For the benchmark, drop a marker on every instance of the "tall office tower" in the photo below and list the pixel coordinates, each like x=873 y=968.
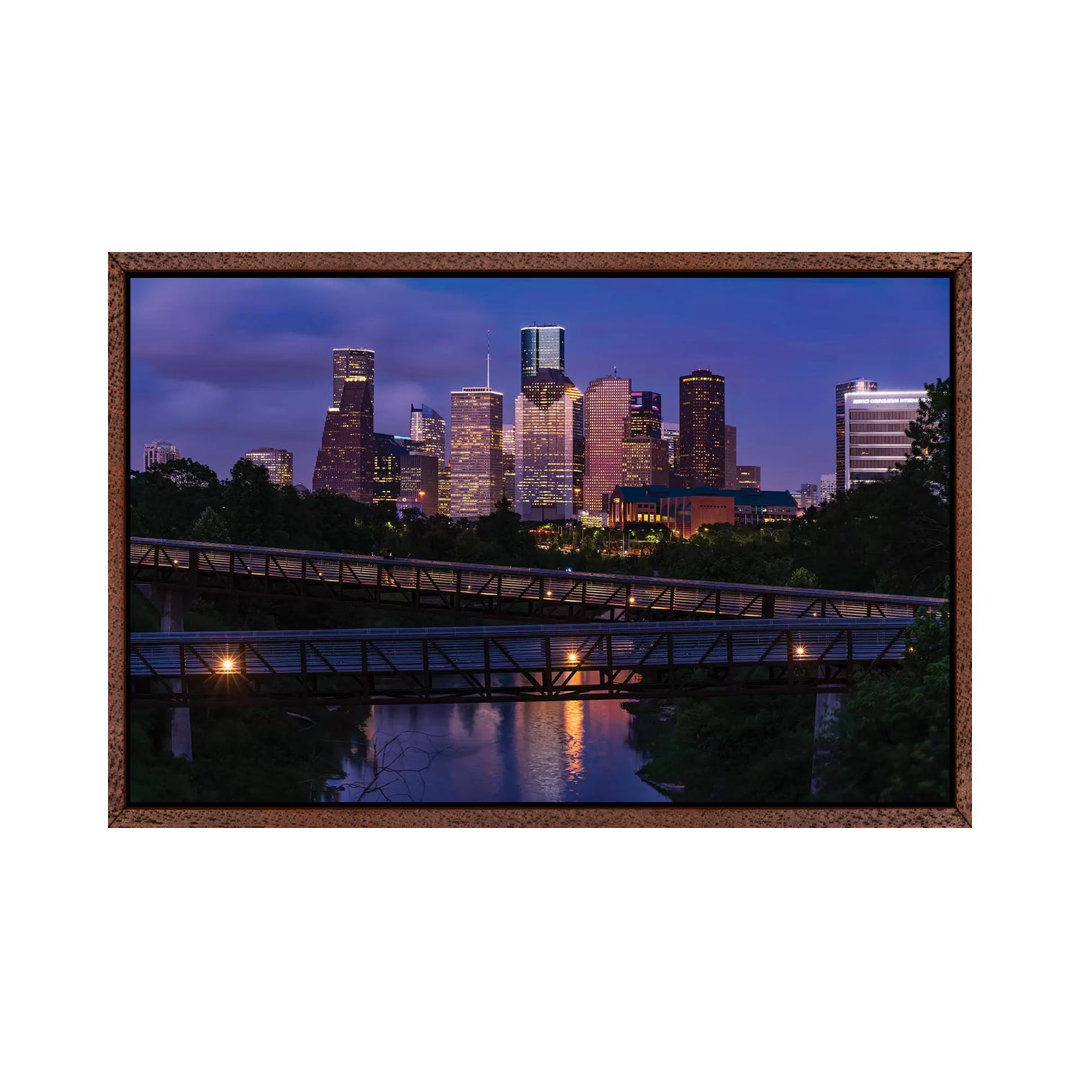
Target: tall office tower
x=509 y=486
x=876 y=424
x=644 y=460
x=854 y=386
x=158 y=453
x=476 y=481
x=827 y=488
x=701 y=429
x=730 y=468
x=549 y=451
x=278 y=463
x=419 y=483
x=390 y=451
x=427 y=429
x=444 y=489
x=607 y=404
x=346 y=459
x=645 y=413
x=748 y=476
x=670 y=434
x=353 y=363
x=543 y=348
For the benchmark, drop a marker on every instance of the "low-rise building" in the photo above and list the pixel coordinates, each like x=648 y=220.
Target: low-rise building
x=685 y=510
x=682 y=510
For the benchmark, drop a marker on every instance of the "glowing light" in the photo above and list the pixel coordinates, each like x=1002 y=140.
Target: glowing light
x=800 y=650
x=228 y=663
x=632 y=600
x=572 y=658
x=549 y=592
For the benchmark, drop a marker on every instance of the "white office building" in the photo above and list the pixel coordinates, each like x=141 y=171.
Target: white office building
x=875 y=426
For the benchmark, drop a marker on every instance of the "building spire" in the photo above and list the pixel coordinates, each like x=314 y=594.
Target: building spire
x=488 y=383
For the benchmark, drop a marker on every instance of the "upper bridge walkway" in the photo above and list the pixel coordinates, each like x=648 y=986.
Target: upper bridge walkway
x=507 y=591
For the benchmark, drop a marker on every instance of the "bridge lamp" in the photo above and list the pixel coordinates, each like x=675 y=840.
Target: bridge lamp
x=228 y=664
x=800 y=650
x=549 y=592
x=632 y=600
x=572 y=658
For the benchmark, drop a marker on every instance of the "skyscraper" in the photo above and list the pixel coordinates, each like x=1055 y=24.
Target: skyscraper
x=350 y=363
x=670 y=434
x=607 y=404
x=346 y=459
x=427 y=429
x=549 y=455
x=730 y=458
x=644 y=460
x=509 y=491
x=390 y=452
x=543 y=348
x=476 y=479
x=827 y=487
x=701 y=429
x=419 y=484
x=158 y=453
x=645 y=416
x=855 y=385
x=876 y=424
x=278 y=463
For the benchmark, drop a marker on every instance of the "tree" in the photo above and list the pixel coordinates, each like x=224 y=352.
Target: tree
x=930 y=458
x=892 y=741
x=253 y=509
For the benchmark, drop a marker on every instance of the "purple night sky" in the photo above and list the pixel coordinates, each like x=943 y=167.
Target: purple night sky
x=222 y=365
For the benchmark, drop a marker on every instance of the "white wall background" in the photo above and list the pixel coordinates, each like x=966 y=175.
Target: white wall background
x=567 y=126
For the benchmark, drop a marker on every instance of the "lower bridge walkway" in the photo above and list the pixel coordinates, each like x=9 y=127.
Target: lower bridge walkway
x=513 y=663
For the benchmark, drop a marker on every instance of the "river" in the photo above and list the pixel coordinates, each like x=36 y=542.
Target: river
x=510 y=752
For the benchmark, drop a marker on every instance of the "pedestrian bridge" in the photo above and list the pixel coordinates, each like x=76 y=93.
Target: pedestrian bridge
x=510 y=592
x=513 y=663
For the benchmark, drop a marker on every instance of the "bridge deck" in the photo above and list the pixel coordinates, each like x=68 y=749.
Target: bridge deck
x=513 y=663
x=492 y=590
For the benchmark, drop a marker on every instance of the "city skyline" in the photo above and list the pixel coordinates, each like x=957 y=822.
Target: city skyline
x=221 y=365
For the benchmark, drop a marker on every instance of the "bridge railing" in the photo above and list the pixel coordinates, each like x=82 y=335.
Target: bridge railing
x=492 y=589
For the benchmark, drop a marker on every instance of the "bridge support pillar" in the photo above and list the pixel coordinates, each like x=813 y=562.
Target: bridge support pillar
x=826 y=711
x=170 y=604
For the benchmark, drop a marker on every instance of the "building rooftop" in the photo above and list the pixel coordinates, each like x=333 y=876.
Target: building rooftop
x=742 y=496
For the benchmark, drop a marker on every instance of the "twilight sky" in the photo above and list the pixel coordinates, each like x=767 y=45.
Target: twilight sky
x=222 y=365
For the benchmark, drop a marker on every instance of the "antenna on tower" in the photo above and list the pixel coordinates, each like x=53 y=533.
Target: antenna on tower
x=488 y=383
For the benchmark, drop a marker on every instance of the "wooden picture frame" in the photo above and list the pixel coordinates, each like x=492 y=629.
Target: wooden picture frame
x=121 y=267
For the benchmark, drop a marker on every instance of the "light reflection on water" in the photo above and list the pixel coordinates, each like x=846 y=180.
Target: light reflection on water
x=538 y=751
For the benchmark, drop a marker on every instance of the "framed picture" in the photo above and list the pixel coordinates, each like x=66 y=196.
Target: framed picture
x=499 y=539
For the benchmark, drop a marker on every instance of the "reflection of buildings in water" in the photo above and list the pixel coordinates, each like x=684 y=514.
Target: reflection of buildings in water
x=539 y=752
x=574 y=726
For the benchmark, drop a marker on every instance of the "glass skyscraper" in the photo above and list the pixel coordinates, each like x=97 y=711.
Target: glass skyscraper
x=607 y=404
x=549 y=456
x=427 y=429
x=543 y=348
x=645 y=416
